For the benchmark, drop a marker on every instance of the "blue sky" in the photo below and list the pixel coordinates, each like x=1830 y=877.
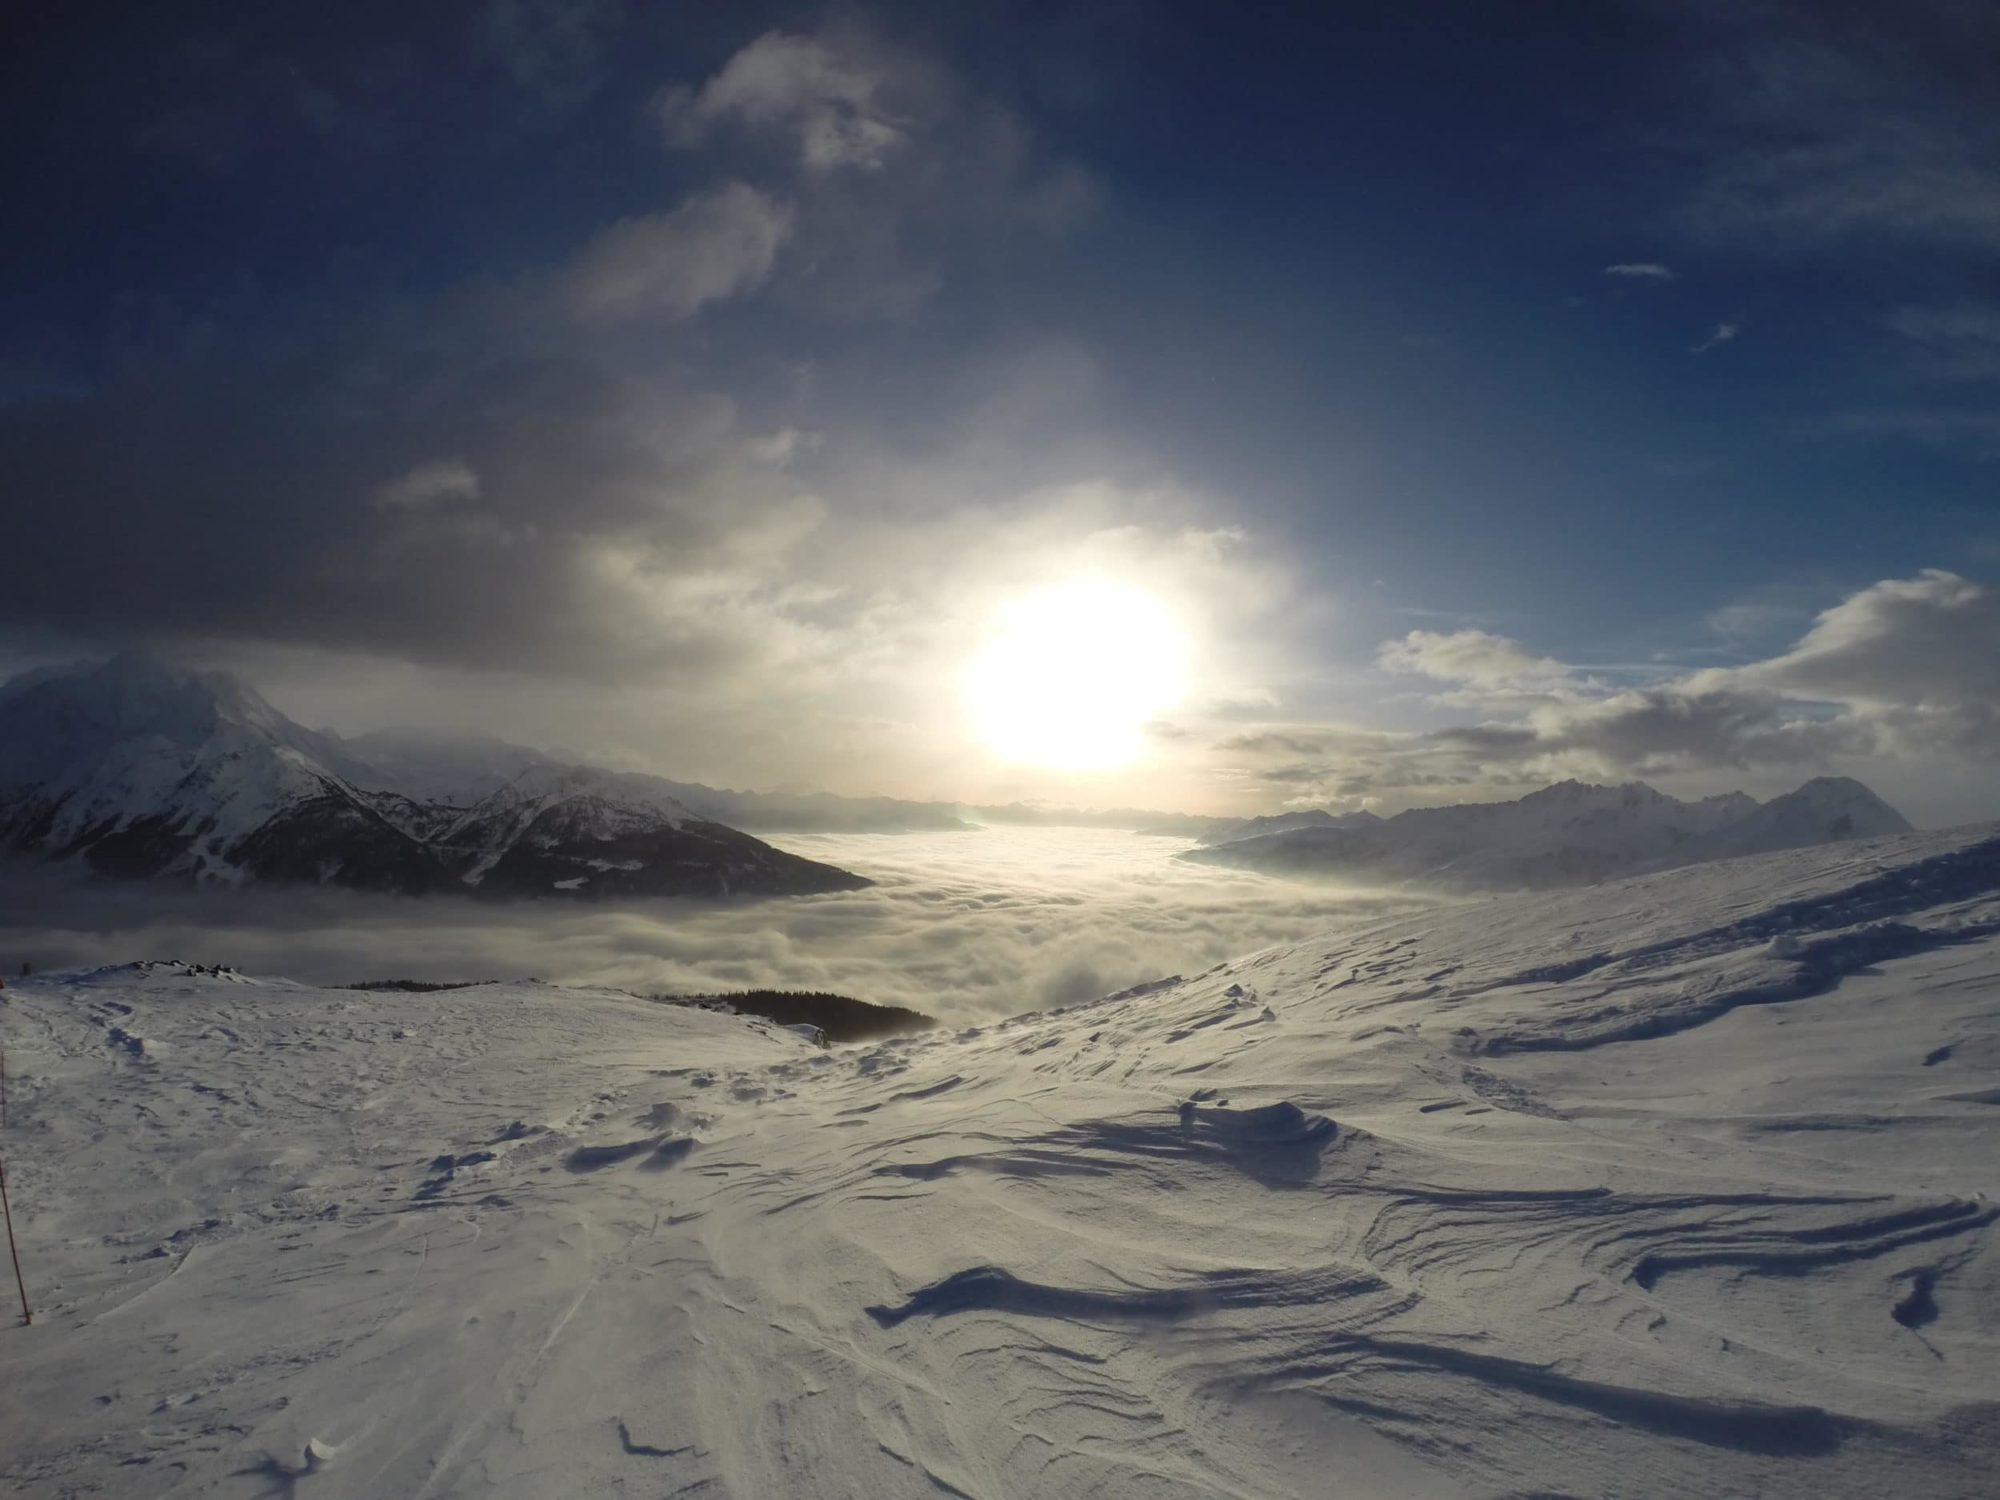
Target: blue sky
x=687 y=385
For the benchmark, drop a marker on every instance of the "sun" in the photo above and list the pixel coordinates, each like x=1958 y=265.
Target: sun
x=1071 y=676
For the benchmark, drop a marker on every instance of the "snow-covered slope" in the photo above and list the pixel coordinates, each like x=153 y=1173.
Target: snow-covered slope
x=1567 y=834
x=138 y=769
x=1683 y=1185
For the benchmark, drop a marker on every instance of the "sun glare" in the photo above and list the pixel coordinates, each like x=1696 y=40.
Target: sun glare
x=1071 y=676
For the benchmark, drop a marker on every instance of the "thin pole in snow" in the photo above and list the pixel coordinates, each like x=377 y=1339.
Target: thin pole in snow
x=13 y=1250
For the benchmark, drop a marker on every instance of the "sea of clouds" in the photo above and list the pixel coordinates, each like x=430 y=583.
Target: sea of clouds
x=963 y=925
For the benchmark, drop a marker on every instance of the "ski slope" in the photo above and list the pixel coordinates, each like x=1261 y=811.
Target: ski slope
x=1683 y=1185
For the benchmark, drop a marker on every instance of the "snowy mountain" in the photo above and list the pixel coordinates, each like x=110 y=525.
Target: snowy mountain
x=1682 y=1187
x=1568 y=834
x=1824 y=810
x=430 y=766
x=137 y=769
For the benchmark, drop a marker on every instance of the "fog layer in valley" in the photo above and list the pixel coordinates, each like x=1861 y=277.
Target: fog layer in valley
x=960 y=925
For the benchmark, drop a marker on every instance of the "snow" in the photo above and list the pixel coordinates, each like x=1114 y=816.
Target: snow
x=135 y=768
x=132 y=739
x=596 y=805
x=1677 y=1185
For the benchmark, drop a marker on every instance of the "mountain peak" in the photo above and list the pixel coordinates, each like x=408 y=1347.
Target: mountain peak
x=138 y=691
x=141 y=767
x=1834 y=787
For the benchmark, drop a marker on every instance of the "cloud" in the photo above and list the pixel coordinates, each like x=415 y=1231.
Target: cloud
x=1950 y=425
x=1724 y=333
x=1753 y=619
x=840 y=101
x=1475 y=659
x=1863 y=127
x=713 y=246
x=252 y=504
x=1957 y=342
x=964 y=926
x=1916 y=658
x=1275 y=741
x=1643 y=270
x=579 y=475
x=1900 y=670
x=891 y=163
x=578 y=553
x=429 y=484
x=1663 y=730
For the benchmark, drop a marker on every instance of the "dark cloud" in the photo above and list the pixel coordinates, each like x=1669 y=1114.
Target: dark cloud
x=1485 y=741
x=485 y=512
x=520 y=475
x=1274 y=741
x=1657 y=731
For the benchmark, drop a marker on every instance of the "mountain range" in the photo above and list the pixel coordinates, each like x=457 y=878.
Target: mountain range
x=138 y=769
x=1567 y=834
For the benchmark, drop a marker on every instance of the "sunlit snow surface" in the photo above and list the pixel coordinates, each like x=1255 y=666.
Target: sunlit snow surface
x=1681 y=1186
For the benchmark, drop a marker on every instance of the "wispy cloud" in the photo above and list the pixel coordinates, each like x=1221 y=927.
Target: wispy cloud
x=884 y=155
x=429 y=484
x=1959 y=341
x=1977 y=427
x=671 y=265
x=1723 y=333
x=1480 y=666
x=1640 y=270
x=1863 y=128
x=842 y=101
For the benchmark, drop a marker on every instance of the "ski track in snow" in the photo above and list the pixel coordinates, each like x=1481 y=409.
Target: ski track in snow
x=1680 y=1185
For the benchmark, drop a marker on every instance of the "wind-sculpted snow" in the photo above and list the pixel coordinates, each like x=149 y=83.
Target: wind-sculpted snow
x=1356 y=1216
